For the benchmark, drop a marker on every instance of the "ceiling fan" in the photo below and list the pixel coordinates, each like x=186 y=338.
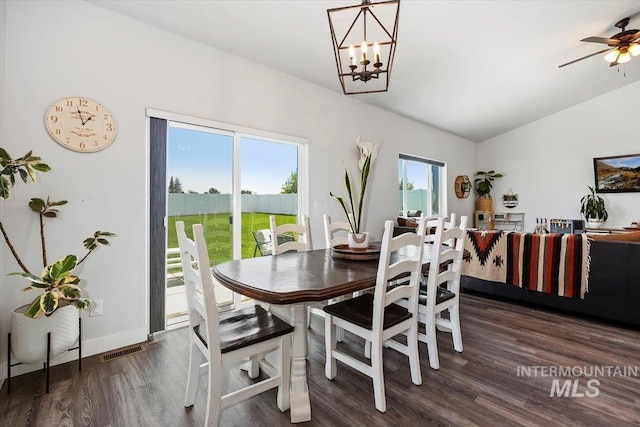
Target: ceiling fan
x=621 y=46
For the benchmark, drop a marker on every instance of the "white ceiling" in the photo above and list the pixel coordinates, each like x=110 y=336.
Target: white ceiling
x=472 y=68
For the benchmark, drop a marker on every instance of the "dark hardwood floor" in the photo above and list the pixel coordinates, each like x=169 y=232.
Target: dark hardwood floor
x=480 y=386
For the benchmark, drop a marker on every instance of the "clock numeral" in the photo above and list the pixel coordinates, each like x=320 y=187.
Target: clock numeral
x=82 y=145
x=104 y=137
x=106 y=117
x=95 y=143
x=97 y=107
x=109 y=127
x=69 y=103
x=58 y=132
x=68 y=140
x=82 y=102
x=54 y=119
x=58 y=109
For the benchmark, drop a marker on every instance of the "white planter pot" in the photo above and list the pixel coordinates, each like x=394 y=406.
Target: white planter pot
x=594 y=223
x=358 y=240
x=29 y=336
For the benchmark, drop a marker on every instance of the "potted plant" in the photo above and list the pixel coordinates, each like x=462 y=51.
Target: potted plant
x=358 y=239
x=593 y=209
x=60 y=296
x=484 y=183
x=510 y=200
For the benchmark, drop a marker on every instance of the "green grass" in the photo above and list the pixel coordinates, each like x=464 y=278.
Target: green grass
x=217 y=232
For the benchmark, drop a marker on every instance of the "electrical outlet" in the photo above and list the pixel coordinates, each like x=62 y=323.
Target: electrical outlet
x=96 y=308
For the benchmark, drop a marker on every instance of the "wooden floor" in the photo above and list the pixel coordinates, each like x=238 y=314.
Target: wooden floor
x=480 y=386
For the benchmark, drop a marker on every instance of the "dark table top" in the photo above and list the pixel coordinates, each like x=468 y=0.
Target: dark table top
x=298 y=277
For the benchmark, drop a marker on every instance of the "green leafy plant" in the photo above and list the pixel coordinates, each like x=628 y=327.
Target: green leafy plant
x=592 y=206
x=484 y=182
x=510 y=197
x=353 y=211
x=58 y=286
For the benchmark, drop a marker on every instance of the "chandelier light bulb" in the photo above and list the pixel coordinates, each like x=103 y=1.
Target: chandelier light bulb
x=376 y=51
x=352 y=55
x=634 y=49
x=611 y=56
x=624 y=57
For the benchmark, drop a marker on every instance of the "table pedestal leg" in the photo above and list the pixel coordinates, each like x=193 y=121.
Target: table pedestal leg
x=300 y=404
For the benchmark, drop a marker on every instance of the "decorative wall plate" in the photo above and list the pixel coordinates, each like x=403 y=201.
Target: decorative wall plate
x=462 y=186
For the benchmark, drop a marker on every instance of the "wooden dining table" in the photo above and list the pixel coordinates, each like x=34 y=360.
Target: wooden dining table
x=288 y=282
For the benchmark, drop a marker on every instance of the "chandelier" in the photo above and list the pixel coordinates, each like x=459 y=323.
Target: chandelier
x=364 y=43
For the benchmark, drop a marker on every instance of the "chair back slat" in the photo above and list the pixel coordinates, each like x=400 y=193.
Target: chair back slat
x=302 y=232
x=335 y=233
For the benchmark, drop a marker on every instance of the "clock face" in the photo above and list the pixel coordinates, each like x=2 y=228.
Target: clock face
x=80 y=124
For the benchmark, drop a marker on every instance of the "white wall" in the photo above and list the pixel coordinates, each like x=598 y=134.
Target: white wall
x=54 y=49
x=549 y=163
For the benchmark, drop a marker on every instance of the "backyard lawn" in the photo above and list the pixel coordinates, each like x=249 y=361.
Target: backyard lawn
x=217 y=231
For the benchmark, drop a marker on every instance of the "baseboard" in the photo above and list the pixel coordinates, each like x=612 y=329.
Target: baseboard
x=89 y=348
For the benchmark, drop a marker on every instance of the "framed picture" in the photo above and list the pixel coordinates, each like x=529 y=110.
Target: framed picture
x=617 y=174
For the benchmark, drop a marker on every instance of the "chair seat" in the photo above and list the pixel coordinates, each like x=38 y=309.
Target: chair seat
x=442 y=294
x=245 y=327
x=359 y=311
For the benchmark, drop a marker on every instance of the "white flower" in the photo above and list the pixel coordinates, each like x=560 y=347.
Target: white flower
x=366 y=148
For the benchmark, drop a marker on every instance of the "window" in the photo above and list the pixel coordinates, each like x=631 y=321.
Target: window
x=421 y=186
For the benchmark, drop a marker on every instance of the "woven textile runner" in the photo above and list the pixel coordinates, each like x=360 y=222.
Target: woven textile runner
x=551 y=263
x=488 y=251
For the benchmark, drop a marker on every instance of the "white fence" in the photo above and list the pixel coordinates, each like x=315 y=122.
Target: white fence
x=194 y=204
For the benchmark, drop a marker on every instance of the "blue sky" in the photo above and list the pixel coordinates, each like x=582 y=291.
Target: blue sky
x=202 y=160
x=629 y=162
x=416 y=173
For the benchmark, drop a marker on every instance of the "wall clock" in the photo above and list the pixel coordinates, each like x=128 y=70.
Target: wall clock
x=80 y=124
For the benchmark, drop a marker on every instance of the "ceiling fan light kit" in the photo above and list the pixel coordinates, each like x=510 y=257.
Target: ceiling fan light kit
x=355 y=30
x=622 y=46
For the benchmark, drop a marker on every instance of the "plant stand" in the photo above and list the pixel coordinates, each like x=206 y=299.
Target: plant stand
x=46 y=364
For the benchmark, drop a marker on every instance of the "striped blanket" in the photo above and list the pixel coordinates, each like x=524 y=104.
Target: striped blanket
x=552 y=263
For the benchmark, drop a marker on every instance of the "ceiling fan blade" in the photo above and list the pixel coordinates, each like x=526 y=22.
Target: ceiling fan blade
x=635 y=37
x=584 y=57
x=610 y=42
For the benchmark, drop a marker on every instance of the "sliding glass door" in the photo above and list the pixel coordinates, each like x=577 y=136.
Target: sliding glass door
x=230 y=183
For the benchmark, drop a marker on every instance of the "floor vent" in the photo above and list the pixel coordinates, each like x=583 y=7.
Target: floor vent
x=132 y=349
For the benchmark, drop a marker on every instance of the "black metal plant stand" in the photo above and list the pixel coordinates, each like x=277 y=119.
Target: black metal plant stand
x=45 y=365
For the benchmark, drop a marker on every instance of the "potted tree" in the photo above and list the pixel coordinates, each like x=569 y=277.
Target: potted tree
x=484 y=183
x=593 y=209
x=59 y=296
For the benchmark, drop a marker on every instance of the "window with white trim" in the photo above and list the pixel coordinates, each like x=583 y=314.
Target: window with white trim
x=421 y=186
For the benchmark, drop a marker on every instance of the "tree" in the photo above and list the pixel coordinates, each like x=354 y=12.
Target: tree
x=213 y=191
x=410 y=185
x=175 y=186
x=192 y=192
x=290 y=186
x=246 y=192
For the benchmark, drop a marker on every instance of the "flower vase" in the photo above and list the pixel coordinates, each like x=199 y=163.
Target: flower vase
x=358 y=241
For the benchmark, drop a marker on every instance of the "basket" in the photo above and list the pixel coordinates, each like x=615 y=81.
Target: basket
x=484 y=204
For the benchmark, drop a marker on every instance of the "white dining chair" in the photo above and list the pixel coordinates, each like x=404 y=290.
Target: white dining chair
x=335 y=233
x=441 y=289
x=229 y=339
x=375 y=317
x=301 y=232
